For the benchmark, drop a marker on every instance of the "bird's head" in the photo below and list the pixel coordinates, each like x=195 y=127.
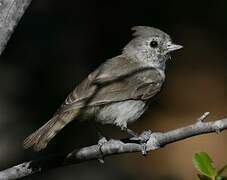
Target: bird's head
x=150 y=45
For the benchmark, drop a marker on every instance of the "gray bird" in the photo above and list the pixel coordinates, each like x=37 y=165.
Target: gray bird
x=118 y=91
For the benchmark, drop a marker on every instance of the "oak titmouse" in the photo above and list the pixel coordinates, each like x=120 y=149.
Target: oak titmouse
x=117 y=92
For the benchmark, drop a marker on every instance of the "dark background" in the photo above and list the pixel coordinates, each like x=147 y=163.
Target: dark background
x=56 y=45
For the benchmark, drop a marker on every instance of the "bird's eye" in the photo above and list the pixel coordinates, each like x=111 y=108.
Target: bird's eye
x=154 y=44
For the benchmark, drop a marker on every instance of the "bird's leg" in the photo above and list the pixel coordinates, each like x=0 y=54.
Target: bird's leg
x=124 y=127
x=132 y=133
x=102 y=140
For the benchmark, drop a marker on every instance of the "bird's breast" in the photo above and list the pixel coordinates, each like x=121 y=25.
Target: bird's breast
x=121 y=113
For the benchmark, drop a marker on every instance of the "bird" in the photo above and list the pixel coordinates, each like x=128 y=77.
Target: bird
x=119 y=91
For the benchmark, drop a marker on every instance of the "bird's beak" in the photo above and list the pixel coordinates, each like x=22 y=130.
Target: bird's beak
x=173 y=47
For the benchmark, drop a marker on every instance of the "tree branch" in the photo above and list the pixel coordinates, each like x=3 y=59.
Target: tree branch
x=156 y=140
x=11 y=12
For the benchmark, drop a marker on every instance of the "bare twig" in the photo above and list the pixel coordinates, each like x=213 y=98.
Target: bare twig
x=112 y=147
x=203 y=117
x=11 y=12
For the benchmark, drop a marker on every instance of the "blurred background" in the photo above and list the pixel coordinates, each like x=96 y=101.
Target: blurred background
x=57 y=44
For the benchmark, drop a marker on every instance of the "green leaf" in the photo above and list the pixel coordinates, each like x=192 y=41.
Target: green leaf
x=203 y=163
x=222 y=170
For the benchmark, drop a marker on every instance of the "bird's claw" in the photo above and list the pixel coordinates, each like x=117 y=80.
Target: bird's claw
x=101 y=142
x=143 y=138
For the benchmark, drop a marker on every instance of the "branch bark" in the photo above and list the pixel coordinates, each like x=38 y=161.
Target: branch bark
x=11 y=12
x=155 y=141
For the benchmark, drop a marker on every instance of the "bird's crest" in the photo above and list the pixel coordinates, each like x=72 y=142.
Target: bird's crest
x=147 y=31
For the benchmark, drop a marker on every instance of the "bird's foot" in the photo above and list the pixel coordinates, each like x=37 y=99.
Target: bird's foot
x=101 y=142
x=143 y=138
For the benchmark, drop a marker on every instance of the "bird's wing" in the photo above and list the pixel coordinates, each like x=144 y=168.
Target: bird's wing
x=117 y=80
x=140 y=86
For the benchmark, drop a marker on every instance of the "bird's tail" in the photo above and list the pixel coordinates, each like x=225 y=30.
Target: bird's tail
x=40 y=138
